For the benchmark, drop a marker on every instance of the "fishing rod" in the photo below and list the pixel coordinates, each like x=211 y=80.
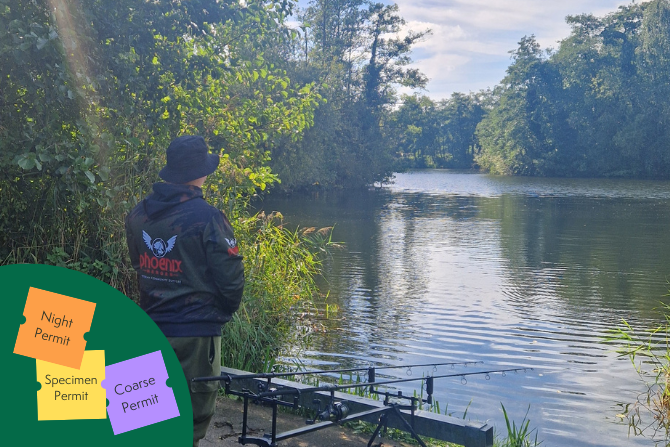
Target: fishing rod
x=373 y=383
x=326 y=371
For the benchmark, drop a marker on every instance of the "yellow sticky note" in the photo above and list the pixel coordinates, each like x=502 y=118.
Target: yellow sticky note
x=69 y=393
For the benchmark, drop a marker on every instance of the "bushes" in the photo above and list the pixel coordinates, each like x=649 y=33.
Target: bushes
x=91 y=96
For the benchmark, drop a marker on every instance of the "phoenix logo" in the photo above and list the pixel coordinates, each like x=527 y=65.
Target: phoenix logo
x=158 y=246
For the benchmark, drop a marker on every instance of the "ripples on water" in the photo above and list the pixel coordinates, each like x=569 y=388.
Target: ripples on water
x=512 y=272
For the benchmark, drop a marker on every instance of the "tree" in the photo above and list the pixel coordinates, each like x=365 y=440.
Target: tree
x=429 y=134
x=460 y=116
x=518 y=136
x=596 y=107
x=653 y=55
x=357 y=57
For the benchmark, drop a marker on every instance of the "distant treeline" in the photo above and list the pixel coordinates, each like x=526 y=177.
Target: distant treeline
x=597 y=106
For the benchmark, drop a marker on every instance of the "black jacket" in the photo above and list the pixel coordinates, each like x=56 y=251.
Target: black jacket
x=189 y=269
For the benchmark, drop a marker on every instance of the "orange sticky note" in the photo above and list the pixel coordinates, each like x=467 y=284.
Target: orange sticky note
x=54 y=328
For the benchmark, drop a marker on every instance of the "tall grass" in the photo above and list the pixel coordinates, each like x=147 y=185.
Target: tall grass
x=521 y=436
x=278 y=298
x=649 y=352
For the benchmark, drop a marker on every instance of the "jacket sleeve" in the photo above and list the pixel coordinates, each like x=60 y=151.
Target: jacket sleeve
x=224 y=262
x=132 y=245
x=132 y=250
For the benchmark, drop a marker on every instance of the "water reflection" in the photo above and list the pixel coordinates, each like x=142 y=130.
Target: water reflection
x=512 y=272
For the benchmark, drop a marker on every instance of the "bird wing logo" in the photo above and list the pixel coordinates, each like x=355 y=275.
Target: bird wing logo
x=147 y=239
x=170 y=243
x=158 y=246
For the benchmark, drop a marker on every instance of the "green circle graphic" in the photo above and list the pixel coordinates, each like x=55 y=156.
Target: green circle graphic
x=119 y=327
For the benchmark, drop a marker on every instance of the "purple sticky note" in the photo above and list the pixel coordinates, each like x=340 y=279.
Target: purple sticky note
x=137 y=393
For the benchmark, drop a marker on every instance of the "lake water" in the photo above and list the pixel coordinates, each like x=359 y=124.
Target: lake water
x=445 y=266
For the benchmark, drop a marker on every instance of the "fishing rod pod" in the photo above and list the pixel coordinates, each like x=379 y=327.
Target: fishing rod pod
x=338 y=411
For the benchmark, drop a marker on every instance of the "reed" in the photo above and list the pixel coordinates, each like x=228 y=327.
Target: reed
x=649 y=353
x=521 y=436
x=277 y=307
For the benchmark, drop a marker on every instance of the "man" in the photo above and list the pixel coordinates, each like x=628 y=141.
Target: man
x=189 y=269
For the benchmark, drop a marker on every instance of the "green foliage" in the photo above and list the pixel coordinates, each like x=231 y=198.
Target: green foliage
x=353 y=52
x=437 y=135
x=520 y=436
x=281 y=265
x=598 y=106
x=518 y=136
x=91 y=96
x=649 y=352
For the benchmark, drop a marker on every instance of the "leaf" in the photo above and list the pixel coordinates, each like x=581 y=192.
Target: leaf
x=27 y=161
x=90 y=176
x=45 y=156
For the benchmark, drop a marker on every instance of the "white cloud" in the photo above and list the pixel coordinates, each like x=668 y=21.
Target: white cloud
x=469 y=48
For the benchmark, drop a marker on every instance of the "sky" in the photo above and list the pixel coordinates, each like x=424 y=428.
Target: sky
x=471 y=39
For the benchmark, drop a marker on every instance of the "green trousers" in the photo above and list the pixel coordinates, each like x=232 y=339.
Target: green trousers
x=200 y=357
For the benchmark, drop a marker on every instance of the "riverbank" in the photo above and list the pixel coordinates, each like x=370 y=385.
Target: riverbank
x=226 y=427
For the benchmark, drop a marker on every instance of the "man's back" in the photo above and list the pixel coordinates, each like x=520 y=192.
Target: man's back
x=189 y=270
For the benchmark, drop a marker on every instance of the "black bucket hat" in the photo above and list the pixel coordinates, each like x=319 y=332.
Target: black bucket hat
x=188 y=158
